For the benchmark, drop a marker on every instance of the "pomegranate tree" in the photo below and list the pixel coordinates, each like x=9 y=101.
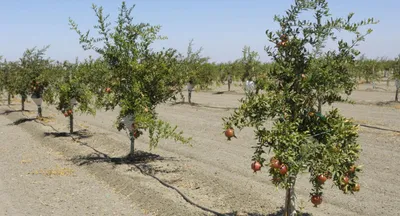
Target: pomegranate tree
x=138 y=77
x=304 y=75
x=396 y=74
x=193 y=72
x=69 y=89
x=25 y=75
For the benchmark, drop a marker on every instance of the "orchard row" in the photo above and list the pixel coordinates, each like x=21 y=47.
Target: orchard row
x=290 y=90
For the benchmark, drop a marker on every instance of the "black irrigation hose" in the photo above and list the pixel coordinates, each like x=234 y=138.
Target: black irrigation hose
x=141 y=171
x=179 y=192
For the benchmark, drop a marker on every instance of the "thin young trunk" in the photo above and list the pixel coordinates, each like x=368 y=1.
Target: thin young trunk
x=229 y=86
x=131 y=127
x=182 y=97
x=397 y=83
x=9 y=99
x=290 y=200
x=40 y=111
x=132 y=150
x=23 y=98
x=190 y=96
x=319 y=105
x=71 y=123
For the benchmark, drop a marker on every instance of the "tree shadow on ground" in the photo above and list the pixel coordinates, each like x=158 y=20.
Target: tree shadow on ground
x=379 y=128
x=387 y=103
x=228 y=93
x=202 y=105
x=7 y=112
x=376 y=89
x=280 y=212
x=140 y=160
x=393 y=104
x=80 y=134
x=21 y=121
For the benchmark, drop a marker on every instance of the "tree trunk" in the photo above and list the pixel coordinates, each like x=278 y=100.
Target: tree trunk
x=40 y=111
x=290 y=200
x=9 y=99
x=71 y=123
x=23 y=98
x=397 y=82
x=182 y=97
x=319 y=105
x=229 y=86
x=132 y=150
x=190 y=96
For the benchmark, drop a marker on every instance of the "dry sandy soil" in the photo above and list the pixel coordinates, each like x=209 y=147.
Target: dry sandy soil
x=212 y=176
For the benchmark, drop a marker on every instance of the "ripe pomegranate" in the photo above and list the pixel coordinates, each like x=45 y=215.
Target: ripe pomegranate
x=108 y=89
x=316 y=199
x=275 y=164
x=281 y=44
x=283 y=170
x=356 y=187
x=352 y=169
x=66 y=114
x=346 y=180
x=256 y=166
x=321 y=179
x=229 y=133
x=69 y=112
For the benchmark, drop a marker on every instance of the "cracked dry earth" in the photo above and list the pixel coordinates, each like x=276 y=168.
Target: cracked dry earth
x=212 y=173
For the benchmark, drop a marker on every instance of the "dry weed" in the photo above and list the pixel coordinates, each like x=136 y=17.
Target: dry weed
x=46 y=119
x=58 y=171
x=25 y=161
x=83 y=126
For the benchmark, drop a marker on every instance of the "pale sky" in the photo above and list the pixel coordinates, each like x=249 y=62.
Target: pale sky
x=221 y=27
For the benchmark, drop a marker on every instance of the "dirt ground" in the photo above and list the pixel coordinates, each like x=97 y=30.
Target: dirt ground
x=36 y=180
x=212 y=176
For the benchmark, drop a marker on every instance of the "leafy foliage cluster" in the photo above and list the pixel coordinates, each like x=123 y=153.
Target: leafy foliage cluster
x=304 y=76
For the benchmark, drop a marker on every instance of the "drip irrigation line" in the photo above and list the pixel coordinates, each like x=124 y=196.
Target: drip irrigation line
x=179 y=192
